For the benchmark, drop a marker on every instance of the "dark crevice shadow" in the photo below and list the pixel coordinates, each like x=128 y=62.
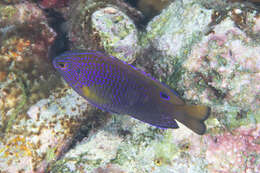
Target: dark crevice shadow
x=61 y=43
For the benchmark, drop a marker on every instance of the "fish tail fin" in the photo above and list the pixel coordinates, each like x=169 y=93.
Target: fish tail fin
x=193 y=116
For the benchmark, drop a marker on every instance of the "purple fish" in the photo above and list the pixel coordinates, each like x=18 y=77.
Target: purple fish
x=114 y=86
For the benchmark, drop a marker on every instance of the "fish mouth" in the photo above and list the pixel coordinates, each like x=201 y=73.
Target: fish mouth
x=55 y=64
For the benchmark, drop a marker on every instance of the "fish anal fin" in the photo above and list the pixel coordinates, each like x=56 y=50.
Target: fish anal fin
x=195 y=125
x=167 y=121
x=161 y=121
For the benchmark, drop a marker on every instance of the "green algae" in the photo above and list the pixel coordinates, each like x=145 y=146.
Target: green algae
x=121 y=156
x=50 y=154
x=159 y=27
x=178 y=60
x=124 y=155
x=7 y=12
x=235 y=117
x=166 y=150
x=20 y=106
x=62 y=166
x=221 y=60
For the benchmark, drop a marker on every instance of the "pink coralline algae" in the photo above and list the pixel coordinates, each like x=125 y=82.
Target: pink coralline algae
x=238 y=151
x=53 y=3
x=224 y=69
x=256 y=27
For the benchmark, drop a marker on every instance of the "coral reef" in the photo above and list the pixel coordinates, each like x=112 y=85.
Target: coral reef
x=31 y=135
x=226 y=64
x=236 y=152
x=208 y=51
x=125 y=144
x=146 y=149
x=43 y=133
x=170 y=36
x=26 y=73
x=214 y=63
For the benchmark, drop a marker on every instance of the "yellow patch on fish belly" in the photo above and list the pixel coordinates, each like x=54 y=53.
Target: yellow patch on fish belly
x=91 y=95
x=87 y=93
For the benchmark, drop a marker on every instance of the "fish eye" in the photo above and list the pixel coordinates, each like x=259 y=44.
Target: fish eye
x=78 y=70
x=164 y=96
x=62 y=65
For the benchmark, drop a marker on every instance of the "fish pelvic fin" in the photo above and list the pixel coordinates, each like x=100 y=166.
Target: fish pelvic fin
x=193 y=117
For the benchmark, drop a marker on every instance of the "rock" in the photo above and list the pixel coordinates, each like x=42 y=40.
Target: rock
x=26 y=74
x=43 y=133
x=123 y=142
x=224 y=67
x=169 y=37
x=19 y=14
x=105 y=26
x=117 y=32
x=35 y=127
x=238 y=151
x=24 y=66
x=108 y=169
x=93 y=151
